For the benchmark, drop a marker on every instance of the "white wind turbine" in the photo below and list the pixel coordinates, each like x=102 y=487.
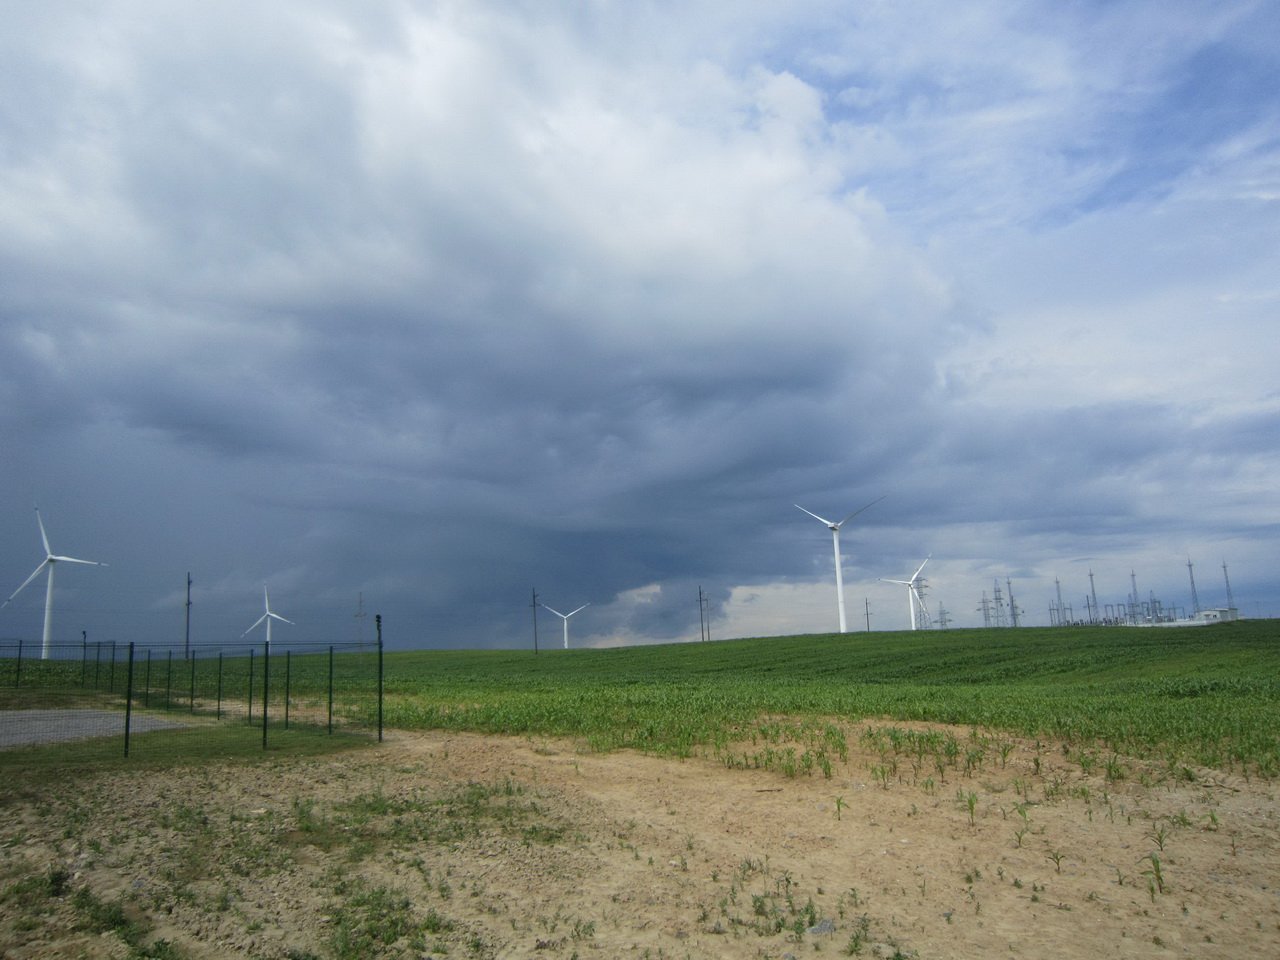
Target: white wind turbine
x=565 y=617
x=50 y=561
x=835 y=540
x=915 y=597
x=268 y=616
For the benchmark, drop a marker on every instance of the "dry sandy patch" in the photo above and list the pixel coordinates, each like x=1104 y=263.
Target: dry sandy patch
x=458 y=845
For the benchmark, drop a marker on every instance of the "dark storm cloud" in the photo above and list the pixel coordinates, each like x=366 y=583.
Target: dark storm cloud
x=440 y=304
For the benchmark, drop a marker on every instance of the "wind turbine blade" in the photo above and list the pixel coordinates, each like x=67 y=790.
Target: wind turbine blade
x=572 y=612
x=92 y=563
x=859 y=510
x=44 y=538
x=276 y=616
x=812 y=514
x=35 y=573
x=255 y=625
x=552 y=609
x=905 y=583
x=921 y=567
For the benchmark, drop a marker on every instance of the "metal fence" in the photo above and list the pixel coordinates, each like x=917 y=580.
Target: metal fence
x=151 y=698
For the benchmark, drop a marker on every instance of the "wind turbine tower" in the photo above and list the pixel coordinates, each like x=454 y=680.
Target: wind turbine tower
x=915 y=597
x=565 y=617
x=1195 y=598
x=50 y=560
x=835 y=542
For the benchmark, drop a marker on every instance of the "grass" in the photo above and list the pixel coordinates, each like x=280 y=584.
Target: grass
x=27 y=769
x=1208 y=695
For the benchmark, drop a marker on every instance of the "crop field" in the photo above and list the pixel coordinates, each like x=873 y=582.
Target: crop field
x=1203 y=695
x=1030 y=793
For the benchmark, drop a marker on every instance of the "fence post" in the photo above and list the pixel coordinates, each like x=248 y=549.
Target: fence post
x=146 y=693
x=287 y=675
x=193 y=679
x=378 y=620
x=111 y=682
x=17 y=674
x=266 y=687
x=168 y=682
x=84 y=657
x=97 y=664
x=128 y=701
x=251 y=686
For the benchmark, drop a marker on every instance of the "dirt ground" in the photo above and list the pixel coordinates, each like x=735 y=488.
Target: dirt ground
x=453 y=845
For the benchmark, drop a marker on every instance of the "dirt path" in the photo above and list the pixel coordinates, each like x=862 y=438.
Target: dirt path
x=503 y=847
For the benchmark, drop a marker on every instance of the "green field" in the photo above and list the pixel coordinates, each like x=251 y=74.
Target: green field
x=1205 y=695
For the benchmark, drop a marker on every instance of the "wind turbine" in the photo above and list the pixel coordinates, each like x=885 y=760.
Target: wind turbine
x=268 y=616
x=914 y=595
x=565 y=617
x=50 y=561
x=835 y=540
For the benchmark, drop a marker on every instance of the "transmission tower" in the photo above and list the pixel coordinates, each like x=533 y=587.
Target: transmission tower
x=1231 y=601
x=998 y=603
x=1014 y=612
x=985 y=608
x=1093 y=593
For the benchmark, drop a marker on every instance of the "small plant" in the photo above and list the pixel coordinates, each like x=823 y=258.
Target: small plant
x=1056 y=857
x=1158 y=836
x=1154 y=874
x=859 y=937
x=839 y=806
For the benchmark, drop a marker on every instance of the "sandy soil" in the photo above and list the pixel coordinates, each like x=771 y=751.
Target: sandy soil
x=505 y=847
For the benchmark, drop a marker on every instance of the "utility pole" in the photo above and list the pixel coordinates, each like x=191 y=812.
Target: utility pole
x=360 y=617
x=534 y=604
x=702 y=619
x=866 y=602
x=186 y=648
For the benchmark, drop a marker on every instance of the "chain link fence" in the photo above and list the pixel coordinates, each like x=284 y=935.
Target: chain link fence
x=137 y=699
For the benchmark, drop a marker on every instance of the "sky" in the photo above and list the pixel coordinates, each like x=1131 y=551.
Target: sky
x=413 y=308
